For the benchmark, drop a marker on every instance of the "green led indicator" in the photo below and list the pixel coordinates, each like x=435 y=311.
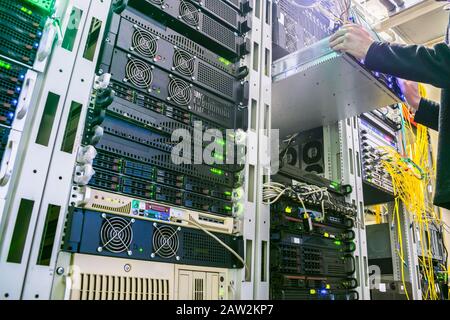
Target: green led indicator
x=228 y=208
x=141 y=250
x=216 y=171
x=220 y=141
x=27 y=11
x=224 y=61
x=218 y=156
x=227 y=193
x=5 y=65
x=337 y=242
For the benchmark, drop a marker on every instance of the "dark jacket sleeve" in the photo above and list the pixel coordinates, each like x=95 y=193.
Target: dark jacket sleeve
x=428 y=114
x=412 y=62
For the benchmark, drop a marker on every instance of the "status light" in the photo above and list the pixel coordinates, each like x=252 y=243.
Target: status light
x=216 y=171
x=288 y=209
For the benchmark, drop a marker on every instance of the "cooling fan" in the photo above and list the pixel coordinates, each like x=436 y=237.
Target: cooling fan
x=183 y=62
x=116 y=234
x=144 y=43
x=165 y=241
x=138 y=73
x=189 y=13
x=312 y=157
x=179 y=92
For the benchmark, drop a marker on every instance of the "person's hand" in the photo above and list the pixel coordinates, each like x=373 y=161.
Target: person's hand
x=411 y=91
x=352 y=39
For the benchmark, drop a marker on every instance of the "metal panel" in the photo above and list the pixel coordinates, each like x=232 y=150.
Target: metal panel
x=33 y=170
x=39 y=278
x=335 y=86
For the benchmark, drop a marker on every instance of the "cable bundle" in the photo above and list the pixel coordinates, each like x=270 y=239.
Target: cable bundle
x=411 y=175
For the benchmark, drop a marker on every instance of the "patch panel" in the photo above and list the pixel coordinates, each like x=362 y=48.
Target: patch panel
x=108 y=202
x=22 y=28
x=161 y=85
x=97 y=233
x=161 y=53
x=374 y=136
x=184 y=17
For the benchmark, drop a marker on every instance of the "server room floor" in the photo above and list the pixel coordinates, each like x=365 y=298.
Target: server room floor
x=215 y=150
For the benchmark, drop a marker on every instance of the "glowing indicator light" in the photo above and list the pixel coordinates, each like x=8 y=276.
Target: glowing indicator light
x=323 y=291
x=337 y=242
x=327 y=286
x=216 y=171
x=227 y=193
x=5 y=65
x=220 y=141
x=228 y=208
x=224 y=61
x=27 y=11
x=141 y=250
x=288 y=210
x=312 y=291
x=14 y=102
x=326 y=235
x=22 y=76
x=218 y=156
x=18 y=89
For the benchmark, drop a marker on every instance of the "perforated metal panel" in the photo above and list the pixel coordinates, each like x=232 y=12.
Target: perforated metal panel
x=215 y=80
x=217 y=31
x=222 y=10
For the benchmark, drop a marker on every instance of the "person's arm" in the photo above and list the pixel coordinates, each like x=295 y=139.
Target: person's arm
x=413 y=62
x=428 y=114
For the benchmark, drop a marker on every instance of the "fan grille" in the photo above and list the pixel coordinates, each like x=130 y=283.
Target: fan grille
x=189 y=13
x=165 y=241
x=116 y=234
x=183 y=62
x=138 y=73
x=144 y=43
x=179 y=92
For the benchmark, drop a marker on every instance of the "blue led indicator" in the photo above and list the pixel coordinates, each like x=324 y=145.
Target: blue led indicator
x=22 y=76
x=323 y=291
x=10 y=115
x=36 y=45
x=18 y=89
x=14 y=102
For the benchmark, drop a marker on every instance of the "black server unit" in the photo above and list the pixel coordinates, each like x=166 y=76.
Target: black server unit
x=173 y=65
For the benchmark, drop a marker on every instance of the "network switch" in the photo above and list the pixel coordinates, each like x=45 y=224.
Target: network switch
x=374 y=136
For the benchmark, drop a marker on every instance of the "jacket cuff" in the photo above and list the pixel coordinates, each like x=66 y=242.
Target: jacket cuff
x=374 y=53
